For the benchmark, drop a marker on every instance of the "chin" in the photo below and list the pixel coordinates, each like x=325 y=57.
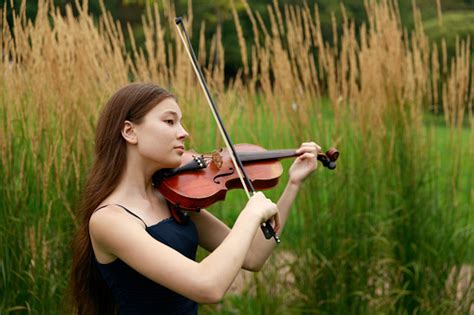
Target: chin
x=171 y=161
x=175 y=163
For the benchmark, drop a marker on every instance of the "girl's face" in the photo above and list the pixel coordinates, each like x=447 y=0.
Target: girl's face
x=160 y=136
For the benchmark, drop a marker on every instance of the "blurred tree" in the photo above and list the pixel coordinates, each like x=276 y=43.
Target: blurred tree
x=458 y=17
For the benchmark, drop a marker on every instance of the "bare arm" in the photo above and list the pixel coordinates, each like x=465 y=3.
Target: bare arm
x=262 y=248
x=204 y=282
x=213 y=231
x=303 y=166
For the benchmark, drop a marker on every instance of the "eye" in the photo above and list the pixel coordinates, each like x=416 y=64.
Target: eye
x=169 y=121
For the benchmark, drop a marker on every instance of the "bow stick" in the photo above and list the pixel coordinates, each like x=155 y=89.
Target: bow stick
x=266 y=227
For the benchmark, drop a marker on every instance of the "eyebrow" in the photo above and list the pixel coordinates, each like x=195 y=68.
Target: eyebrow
x=172 y=112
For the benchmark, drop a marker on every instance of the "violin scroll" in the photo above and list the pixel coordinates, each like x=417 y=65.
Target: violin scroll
x=329 y=158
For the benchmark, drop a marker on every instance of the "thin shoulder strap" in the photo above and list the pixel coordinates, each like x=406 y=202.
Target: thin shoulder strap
x=130 y=212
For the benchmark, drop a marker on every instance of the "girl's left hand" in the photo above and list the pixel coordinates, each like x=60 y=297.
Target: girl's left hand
x=305 y=164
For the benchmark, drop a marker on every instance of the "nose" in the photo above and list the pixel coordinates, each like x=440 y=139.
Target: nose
x=183 y=134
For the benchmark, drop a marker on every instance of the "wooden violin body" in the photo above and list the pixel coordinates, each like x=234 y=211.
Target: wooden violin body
x=202 y=180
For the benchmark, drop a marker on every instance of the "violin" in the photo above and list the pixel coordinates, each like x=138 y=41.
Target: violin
x=204 y=179
x=186 y=198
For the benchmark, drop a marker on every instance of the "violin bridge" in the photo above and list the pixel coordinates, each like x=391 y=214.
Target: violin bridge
x=216 y=159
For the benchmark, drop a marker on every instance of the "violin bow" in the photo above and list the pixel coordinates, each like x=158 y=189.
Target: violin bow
x=266 y=227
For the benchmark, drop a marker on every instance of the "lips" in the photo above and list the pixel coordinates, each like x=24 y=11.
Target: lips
x=180 y=149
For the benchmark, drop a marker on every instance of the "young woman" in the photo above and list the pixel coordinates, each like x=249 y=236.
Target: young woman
x=130 y=255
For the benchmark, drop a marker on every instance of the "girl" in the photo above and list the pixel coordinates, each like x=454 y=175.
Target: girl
x=130 y=255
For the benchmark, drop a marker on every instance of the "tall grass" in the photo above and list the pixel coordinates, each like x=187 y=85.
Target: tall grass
x=390 y=231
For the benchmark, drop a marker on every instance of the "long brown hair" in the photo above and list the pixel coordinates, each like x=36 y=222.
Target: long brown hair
x=89 y=291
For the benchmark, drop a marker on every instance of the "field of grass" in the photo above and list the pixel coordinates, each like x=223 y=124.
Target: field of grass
x=336 y=231
x=389 y=231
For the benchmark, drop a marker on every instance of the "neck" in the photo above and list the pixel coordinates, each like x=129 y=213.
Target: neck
x=136 y=181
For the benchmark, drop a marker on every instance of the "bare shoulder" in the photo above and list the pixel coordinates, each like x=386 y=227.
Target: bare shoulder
x=112 y=214
x=110 y=222
x=117 y=234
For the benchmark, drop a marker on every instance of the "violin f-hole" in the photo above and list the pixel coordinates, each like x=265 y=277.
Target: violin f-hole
x=231 y=169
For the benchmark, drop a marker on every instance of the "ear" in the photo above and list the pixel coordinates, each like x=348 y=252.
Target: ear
x=128 y=132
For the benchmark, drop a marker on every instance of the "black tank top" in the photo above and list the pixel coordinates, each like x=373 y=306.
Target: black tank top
x=134 y=293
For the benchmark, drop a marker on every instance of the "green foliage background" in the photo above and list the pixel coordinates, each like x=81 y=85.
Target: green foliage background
x=458 y=18
x=390 y=231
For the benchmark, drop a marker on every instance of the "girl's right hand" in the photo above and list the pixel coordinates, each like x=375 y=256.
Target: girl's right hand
x=264 y=208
